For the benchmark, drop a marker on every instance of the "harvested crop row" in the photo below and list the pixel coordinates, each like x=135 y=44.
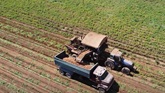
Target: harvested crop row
x=130 y=49
x=19 y=40
x=24 y=44
x=21 y=80
x=32 y=76
x=45 y=65
x=33 y=27
x=135 y=83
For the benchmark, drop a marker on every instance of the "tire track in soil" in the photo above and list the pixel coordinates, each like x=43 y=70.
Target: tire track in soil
x=43 y=81
x=47 y=66
x=135 y=84
x=10 y=75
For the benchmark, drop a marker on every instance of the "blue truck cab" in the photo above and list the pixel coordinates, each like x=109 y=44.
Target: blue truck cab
x=95 y=73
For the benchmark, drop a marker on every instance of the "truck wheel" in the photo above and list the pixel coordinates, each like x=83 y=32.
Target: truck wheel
x=101 y=90
x=74 y=56
x=68 y=75
x=125 y=70
x=110 y=64
x=61 y=72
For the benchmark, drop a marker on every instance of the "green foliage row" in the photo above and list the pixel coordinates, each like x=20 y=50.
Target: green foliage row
x=134 y=22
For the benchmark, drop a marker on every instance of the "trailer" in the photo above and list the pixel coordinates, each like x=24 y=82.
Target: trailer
x=95 y=73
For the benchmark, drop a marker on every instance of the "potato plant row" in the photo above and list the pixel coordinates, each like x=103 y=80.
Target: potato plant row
x=146 y=50
x=19 y=41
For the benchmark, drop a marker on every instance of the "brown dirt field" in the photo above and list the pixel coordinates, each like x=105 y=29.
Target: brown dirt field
x=3 y=89
x=19 y=81
x=135 y=84
x=43 y=81
x=49 y=68
x=130 y=82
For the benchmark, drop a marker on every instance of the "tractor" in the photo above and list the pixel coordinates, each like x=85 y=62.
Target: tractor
x=116 y=61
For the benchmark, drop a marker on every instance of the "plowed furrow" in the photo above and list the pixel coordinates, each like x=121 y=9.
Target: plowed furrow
x=9 y=75
x=25 y=42
x=136 y=84
x=26 y=45
x=43 y=20
x=43 y=81
x=47 y=66
x=32 y=29
x=3 y=89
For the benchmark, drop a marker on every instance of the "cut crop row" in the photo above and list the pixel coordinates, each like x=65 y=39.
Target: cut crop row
x=11 y=38
x=111 y=42
x=159 y=58
x=10 y=45
x=45 y=64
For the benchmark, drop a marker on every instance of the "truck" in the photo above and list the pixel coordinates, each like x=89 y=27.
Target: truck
x=92 y=47
x=97 y=74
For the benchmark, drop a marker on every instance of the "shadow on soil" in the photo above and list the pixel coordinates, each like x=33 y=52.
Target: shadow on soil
x=114 y=88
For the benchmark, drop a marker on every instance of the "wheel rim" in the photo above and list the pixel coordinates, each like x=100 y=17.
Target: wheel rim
x=126 y=70
x=61 y=72
x=68 y=75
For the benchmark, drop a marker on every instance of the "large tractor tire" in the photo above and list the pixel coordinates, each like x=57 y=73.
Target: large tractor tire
x=125 y=70
x=110 y=64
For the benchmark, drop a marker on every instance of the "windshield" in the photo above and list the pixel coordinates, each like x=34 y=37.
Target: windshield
x=104 y=75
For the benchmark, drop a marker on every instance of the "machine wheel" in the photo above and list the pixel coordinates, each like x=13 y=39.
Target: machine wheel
x=125 y=70
x=110 y=64
x=74 y=56
x=101 y=90
x=61 y=72
x=68 y=75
